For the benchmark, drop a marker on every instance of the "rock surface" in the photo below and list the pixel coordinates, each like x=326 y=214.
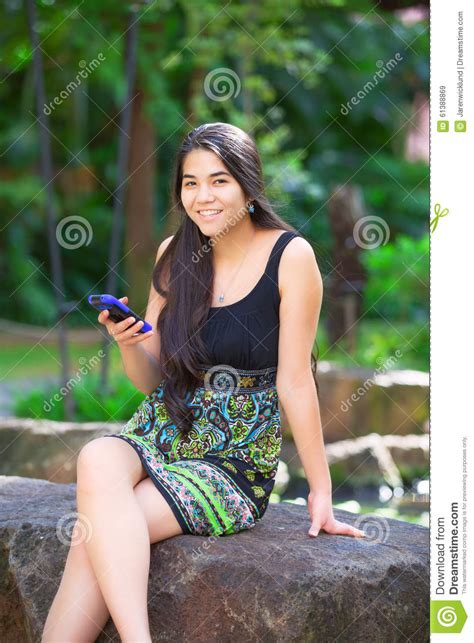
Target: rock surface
x=270 y=583
x=357 y=401
x=374 y=459
x=45 y=448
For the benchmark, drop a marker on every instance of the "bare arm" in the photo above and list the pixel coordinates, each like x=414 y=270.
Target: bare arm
x=300 y=305
x=140 y=354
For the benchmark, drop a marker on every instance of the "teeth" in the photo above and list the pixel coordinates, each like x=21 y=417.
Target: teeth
x=209 y=212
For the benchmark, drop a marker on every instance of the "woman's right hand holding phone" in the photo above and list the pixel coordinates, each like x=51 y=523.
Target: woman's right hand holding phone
x=123 y=331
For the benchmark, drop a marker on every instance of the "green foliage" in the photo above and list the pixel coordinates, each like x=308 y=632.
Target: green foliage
x=398 y=280
x=92 y=403
x=377 y=343
x=296 y=69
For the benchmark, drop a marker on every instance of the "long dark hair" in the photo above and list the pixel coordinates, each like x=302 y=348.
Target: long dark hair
x=189 y=295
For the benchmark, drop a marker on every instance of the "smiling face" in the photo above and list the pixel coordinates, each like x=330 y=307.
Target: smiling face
x=211 y=196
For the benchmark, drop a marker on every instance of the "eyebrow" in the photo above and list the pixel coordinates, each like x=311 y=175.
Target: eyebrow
x=191 y=176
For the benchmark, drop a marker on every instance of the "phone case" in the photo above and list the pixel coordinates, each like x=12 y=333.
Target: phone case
x=118 y=311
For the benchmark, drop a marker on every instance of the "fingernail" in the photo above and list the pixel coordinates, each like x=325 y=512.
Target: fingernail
x=130 y=319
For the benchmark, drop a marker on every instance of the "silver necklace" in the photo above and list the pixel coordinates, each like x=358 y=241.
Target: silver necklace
x=221 y=296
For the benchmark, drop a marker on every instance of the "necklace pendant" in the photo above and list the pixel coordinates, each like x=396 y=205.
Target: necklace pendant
x=221 y=297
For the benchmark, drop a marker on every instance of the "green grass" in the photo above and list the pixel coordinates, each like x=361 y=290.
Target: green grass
x=92 y=403
x=29 y=360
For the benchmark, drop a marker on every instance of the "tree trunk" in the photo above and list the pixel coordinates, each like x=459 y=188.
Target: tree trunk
x=141 y=243
x=347 y=278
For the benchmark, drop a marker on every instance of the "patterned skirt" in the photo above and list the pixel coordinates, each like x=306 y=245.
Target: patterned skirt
x=217 y=479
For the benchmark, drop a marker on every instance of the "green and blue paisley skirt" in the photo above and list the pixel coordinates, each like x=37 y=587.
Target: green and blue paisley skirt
x=217 y=479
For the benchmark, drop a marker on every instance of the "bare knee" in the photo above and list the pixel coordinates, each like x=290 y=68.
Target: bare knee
x=91 y=463
x=105 y=462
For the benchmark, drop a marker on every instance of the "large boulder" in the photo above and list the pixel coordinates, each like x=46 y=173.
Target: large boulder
x=270 y=583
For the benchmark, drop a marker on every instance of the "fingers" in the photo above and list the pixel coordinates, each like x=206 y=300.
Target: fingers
x=126 y=329
x=343 y=529
x=358 y=533
x=123 y=326
x=348 y=530
x=104 y=314
x=135 y=340
x=337 y=528
x=123 y=332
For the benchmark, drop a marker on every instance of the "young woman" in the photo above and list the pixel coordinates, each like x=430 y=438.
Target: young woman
x=235 y=301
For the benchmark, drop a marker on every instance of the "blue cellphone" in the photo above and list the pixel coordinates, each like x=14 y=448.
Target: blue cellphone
x=118 y=311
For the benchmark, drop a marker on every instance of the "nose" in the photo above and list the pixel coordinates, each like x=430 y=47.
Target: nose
x=204 y=194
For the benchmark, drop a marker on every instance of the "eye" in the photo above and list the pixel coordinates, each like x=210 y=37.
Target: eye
x=189 y=182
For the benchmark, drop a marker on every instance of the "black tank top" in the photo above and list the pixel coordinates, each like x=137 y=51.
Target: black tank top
x=245 y=334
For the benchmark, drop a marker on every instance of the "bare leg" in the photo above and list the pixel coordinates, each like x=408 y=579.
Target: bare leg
x=78 y=612
x=144 y=516
x=119 y=546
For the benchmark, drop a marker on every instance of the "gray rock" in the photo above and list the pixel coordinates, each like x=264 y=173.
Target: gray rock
x=357 y=401
x=369 y=460
x=270 y=583
x=46 y=449
x=380 y=458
